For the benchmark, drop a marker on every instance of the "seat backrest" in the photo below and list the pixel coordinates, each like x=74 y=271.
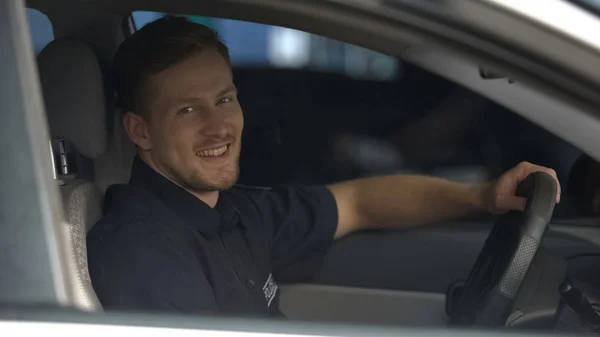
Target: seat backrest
x=75 y=99
x=82 y=201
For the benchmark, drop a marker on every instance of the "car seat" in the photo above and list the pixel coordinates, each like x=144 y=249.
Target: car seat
x=75 y=100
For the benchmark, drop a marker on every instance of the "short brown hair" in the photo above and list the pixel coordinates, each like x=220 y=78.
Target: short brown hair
x=156 y=47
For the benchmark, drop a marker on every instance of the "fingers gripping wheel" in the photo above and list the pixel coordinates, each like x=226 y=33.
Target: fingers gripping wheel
x=502 y=265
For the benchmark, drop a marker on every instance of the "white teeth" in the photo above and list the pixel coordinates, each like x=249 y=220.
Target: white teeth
x=212 y=152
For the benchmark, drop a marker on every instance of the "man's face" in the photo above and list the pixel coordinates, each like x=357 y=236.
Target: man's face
x=195 y=123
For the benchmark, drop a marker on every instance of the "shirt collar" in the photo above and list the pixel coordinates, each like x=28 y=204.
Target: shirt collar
x=193 y=210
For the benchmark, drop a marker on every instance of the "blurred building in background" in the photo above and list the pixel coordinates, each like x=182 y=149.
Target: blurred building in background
x=258 y=45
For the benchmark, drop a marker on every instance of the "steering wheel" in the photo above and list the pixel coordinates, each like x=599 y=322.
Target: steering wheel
x=508 y=253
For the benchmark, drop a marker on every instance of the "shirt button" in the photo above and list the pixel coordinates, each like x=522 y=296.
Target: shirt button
x=250 y=284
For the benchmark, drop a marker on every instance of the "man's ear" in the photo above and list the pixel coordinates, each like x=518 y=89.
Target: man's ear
x=137 y=130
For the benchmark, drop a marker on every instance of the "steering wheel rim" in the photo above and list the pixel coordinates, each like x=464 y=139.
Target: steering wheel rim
x=506 y=257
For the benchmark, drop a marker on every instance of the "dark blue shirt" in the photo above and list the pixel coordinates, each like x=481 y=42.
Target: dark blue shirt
x=159 y=248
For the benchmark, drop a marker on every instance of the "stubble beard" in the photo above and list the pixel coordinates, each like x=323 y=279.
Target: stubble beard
x=198 y=183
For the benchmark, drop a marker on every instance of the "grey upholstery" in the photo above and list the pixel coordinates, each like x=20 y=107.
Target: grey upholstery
x=74 y=95
x=82 y=201
x=340 y=304
x=75 y=102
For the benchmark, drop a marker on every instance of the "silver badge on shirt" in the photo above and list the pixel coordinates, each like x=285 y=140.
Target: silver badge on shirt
x=270 y=289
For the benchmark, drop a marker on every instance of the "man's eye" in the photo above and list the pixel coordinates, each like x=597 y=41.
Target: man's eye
x=187 y=109
x=225 y=100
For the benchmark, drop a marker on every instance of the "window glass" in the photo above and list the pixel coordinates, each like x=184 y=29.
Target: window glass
x=319 y=111
x=40 y=29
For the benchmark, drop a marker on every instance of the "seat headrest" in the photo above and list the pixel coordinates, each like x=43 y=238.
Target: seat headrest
x=74 y=95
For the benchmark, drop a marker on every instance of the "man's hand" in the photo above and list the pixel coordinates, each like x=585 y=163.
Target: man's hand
x=499 y=196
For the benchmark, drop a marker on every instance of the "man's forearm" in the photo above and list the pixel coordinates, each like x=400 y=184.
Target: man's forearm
x=401 y=201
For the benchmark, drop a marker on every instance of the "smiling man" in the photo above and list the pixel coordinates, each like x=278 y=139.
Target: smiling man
x=181 y=237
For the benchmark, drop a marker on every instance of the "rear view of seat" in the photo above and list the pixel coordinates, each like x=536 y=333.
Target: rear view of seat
x=75 y=100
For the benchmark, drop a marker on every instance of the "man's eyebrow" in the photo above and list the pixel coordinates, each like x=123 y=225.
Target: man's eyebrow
x=227 y=90
x=193 y=99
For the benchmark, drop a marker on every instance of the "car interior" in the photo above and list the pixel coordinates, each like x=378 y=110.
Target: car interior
x=437 y=114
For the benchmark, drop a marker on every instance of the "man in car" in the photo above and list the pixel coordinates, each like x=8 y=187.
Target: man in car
x=181 y=237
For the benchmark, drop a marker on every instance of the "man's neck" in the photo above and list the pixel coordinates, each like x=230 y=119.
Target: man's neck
x=210 y=197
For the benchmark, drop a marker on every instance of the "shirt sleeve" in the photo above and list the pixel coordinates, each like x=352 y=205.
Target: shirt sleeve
x=145 y=276
x=300 y=220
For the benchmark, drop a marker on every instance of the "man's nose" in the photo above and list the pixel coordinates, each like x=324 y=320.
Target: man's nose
x=215 y=125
